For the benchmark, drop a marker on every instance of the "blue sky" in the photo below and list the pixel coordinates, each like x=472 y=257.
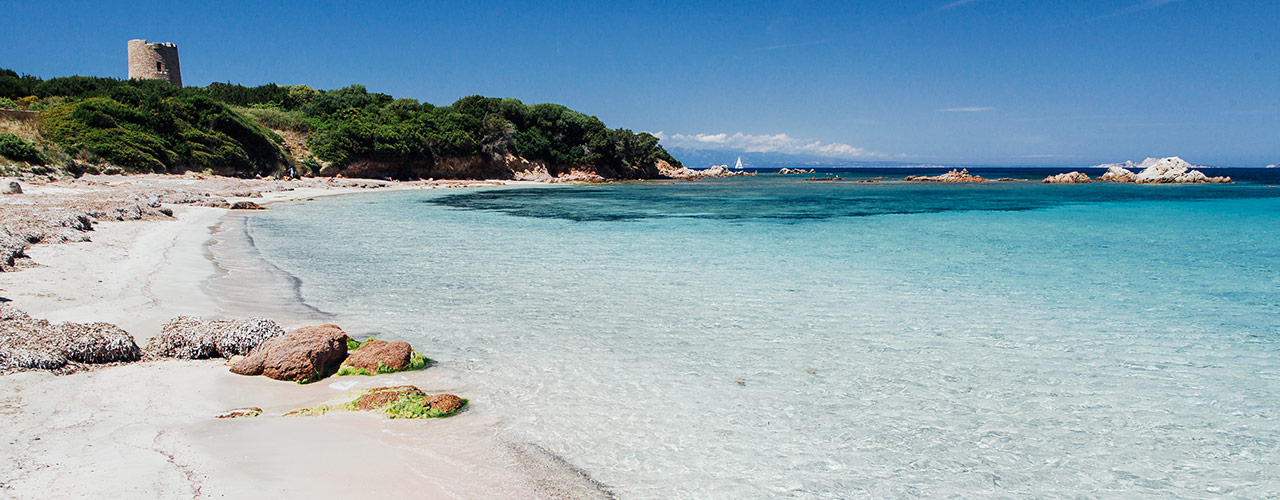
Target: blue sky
x=1004 y=82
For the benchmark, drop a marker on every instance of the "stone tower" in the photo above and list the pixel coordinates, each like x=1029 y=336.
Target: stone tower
x=154 y=61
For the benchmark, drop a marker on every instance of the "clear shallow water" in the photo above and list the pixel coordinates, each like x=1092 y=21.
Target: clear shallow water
x=772 y=337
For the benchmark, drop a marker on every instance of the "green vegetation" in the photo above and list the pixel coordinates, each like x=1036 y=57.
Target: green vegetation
x=412 y=405
x=394 y=402
x=17 y=149
x=150 y=126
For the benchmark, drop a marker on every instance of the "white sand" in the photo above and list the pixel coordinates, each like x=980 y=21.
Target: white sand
x=146 y=430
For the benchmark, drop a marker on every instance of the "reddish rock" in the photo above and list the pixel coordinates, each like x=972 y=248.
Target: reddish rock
x=443 y=403
x=394 y=355
x=384 y=396
x=302 y=355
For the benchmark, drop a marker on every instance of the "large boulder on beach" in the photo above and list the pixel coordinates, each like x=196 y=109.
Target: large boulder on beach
x=1067 y=178
x=376 y=354
x=303 y=355
x=193 y=338
x=12 y=188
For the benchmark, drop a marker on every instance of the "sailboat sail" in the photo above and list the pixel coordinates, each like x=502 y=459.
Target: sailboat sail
x=738 y=166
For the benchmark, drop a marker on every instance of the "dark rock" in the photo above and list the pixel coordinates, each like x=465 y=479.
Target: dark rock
x=13 y=188
x=302 y=355
x=392 y=355
x=246 y=205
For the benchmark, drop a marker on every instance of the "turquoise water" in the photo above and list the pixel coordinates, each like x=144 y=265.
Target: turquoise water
x=772 y=337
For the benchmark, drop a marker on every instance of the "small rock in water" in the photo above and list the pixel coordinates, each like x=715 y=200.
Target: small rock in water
x=741 y=382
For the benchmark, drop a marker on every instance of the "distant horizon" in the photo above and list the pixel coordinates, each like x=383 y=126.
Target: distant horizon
x=971 y=82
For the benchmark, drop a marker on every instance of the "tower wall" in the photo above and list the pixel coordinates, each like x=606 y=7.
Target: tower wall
x=154 y=61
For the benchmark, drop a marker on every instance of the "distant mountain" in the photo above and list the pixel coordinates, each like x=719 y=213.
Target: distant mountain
x=708 y=157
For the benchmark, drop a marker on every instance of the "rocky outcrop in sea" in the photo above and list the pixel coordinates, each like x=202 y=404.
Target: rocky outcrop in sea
x=1171 y=170
x=795 y=171
x=1067 y=178
x=952 y=176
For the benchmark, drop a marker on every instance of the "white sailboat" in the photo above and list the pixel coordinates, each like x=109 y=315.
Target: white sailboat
x=738 y=166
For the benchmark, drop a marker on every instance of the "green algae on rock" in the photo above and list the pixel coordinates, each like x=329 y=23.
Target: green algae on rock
x=404 y=401
x=374 y=357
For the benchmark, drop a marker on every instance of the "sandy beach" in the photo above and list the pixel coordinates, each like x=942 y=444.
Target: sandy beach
x=147 y=429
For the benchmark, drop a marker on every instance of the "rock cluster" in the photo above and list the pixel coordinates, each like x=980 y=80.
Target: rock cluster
x=722 y=171
x=303 y=355
x=1171 y=170
x=952 y=176
x=186 y=337
x=1117 y=173
x=1067 y=178
x=29 y=343
x=246 y=205
x=794 y=171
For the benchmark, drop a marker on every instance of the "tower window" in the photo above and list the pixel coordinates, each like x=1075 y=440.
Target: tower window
x=159 y=66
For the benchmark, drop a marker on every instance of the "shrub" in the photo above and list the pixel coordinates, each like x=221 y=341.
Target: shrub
x=17 y=149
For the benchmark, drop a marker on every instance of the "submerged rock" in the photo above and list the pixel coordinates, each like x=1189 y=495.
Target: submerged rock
x=952 y=176
x=404 y=401
x=444 y=403
x=193 y=338
x=1067 y=178
x=303 y=355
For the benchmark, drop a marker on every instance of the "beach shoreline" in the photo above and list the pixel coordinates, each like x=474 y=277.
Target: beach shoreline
x=146 y=429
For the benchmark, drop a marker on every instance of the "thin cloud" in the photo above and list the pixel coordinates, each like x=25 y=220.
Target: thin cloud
x=776 y=143
x=955 y=4
x=1139 y=7
x=792 y=45
x=967 y=109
